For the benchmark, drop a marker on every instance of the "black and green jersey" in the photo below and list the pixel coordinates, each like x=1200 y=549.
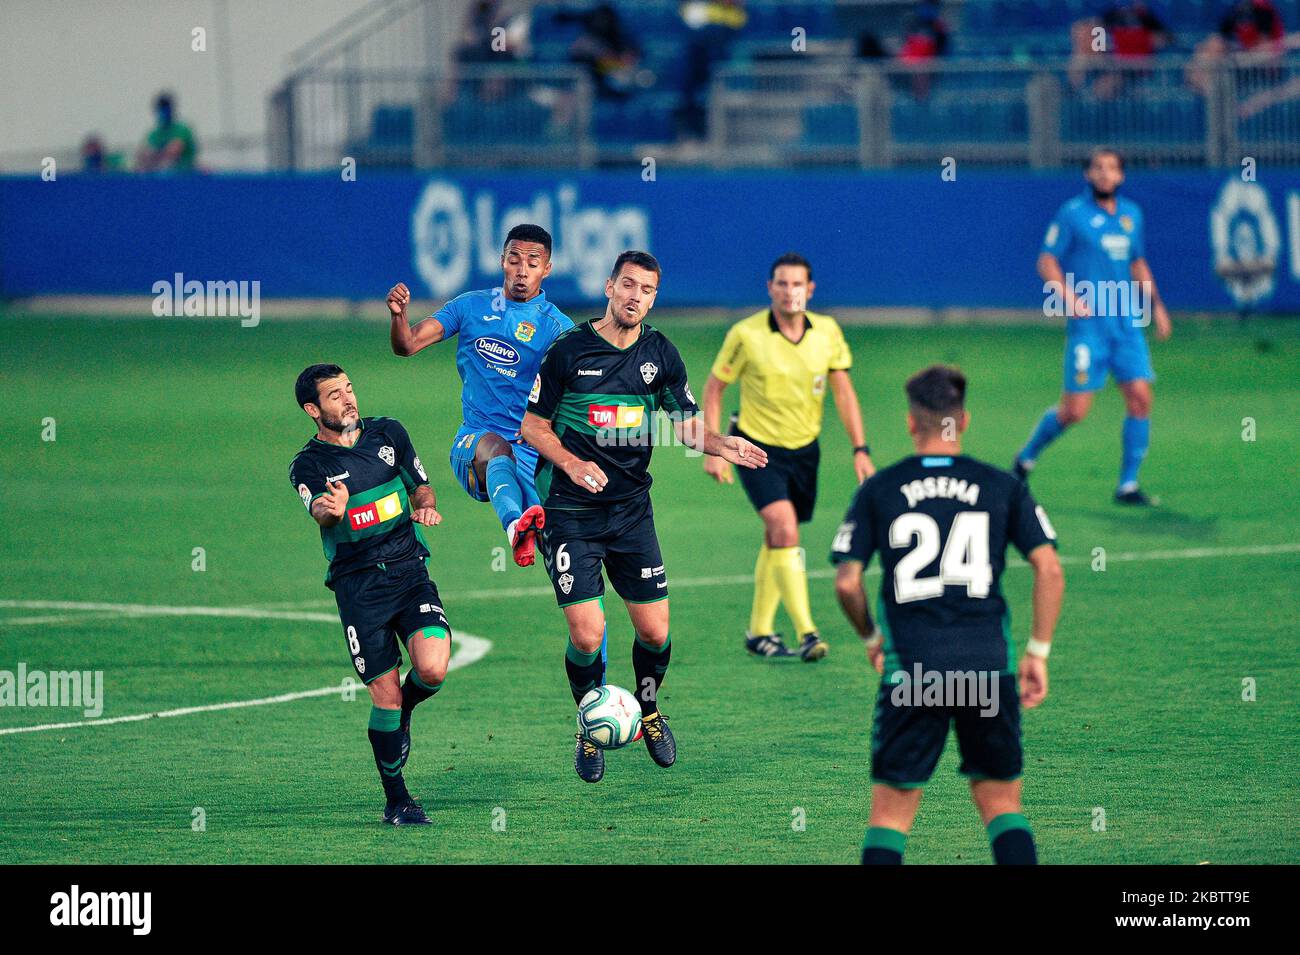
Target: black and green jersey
x=379 y=471
x=602 y=401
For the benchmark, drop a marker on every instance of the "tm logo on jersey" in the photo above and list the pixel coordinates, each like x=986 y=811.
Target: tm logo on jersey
x=496 y=351
x=376 y=512
x=615 y=416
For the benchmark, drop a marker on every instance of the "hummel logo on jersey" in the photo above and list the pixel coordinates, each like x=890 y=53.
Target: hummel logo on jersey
x=590 y=371
x=648 y=371
x=387 y=455
x=337 y=477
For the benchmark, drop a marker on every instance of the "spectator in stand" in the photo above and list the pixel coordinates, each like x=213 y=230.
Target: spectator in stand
x=1251 y=30
x=611 y=55
x=924 y=39
x=170 y=145
x=714 y=24
x=1128 y=31
x=1252 y=26
x=1134 y=30
x=95 y=158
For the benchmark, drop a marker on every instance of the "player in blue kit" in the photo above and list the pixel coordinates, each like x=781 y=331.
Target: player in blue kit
x=503 y=334
x=1094 y=263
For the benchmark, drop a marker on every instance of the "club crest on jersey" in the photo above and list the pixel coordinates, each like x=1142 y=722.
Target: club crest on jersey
x=566 y=582
x=524 y=331
x=648 y=371
x=1126 y=223
x=388 y=455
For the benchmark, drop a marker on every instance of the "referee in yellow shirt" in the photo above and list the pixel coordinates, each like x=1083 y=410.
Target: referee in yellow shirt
x=784 y=358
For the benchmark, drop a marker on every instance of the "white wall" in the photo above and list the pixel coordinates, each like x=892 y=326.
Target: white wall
x=70 y=67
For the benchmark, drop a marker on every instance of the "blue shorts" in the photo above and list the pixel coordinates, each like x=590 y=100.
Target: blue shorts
x=462 y=460
x=1089 y=357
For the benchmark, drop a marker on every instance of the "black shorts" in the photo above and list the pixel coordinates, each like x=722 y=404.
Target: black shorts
x=621 y=536
x=790 y=475
x=380 y=606
x=907 y=740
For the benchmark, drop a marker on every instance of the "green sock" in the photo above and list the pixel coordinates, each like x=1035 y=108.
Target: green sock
x=883 y=846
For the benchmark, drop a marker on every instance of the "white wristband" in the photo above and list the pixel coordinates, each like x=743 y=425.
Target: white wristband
x=876 y=639
x=1038 y=648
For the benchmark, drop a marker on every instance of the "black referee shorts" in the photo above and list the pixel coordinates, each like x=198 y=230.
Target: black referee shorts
x=790 y=475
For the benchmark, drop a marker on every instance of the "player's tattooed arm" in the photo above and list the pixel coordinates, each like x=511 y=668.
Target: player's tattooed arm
x=1140 y=270
x=694 y=433
x=329 y=508
x=853 y=600
x=539 y=432
x=424 y=506
x=406 y=340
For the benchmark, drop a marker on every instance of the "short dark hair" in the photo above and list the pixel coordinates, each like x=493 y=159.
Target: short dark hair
x=1098 y=151
x=642 y=260
x=790 y=258
x=936 y=393
x=307 y=389
x=164 y=99
x=527 y=232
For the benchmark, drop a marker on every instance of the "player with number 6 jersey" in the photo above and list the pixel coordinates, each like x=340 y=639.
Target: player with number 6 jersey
x=592 y=417
x=941 y=522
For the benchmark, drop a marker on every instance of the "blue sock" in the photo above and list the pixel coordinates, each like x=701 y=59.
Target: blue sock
x=1137 y=436
x=1047 y=431
x=529 y=489
x=503 y=489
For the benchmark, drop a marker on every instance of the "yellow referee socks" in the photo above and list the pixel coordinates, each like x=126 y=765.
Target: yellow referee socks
x=787 y=568
x=762 y=616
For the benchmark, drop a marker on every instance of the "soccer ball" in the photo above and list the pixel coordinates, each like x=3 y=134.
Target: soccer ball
x=610 y=717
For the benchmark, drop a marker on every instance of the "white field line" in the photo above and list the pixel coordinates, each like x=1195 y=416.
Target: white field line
x=732 y=580
x=473 y=648
x=468 y=649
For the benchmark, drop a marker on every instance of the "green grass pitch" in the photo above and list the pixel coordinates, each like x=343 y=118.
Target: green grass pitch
x=174 y=436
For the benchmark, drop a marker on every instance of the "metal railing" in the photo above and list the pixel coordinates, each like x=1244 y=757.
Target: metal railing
x=1168 y=112
x=828 y=112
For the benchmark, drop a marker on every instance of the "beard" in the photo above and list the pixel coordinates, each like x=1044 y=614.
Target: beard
x=1100 y=194
x=622 y=320
x=337 y=425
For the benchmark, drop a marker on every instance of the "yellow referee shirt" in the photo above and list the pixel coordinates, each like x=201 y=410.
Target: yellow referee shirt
x=782 y=383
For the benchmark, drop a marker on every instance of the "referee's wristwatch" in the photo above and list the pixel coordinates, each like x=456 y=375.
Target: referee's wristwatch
x=863 y=449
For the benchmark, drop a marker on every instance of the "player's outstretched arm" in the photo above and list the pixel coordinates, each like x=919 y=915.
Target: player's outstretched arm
x=694 y=433
x=853 y=601
x=1049 y=590
x=406 y=340
x=538 y=432
x=715 y=467
x=329 y=508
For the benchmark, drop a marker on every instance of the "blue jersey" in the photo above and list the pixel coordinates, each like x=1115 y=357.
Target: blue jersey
x=1096 y=247
x=499 y=353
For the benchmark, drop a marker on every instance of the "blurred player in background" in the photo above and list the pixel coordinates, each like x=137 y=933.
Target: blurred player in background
x=503 y=334
x=784 y=357
x=941 y=523
x=362 y=482
x=1095 y=254
x=591 y=416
